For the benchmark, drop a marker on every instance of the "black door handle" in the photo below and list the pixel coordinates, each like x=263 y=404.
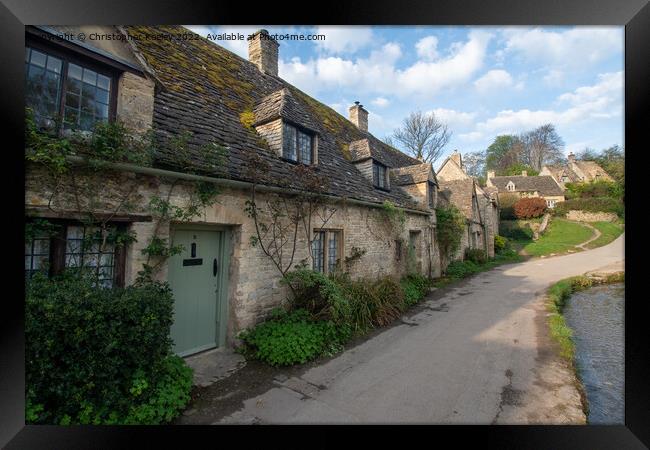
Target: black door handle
x=215 y=267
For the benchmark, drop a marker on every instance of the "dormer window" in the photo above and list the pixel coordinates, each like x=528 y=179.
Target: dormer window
x=379 y=174
x=510 y=186
x=432 y=194
x=297 y=145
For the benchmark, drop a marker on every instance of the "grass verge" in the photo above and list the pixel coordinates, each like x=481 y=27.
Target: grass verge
x=562 y=235
x=609 y=231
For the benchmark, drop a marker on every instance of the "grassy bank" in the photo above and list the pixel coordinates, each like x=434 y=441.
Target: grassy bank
x=561 y=236
x=609 y=231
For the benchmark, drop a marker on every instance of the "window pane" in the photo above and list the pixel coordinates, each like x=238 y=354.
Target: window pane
x=37 y=255
x=103 y=82
x=89 y=77
x=73 y=86
x=304 y=140
x=101 y=95
x=289 y=142
x=54 y=64
x=332 y=251
x=38 y=58
x=74 y=71
x=317 y=250
x=27 y=50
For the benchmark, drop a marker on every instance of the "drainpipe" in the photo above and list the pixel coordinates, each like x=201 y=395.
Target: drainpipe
x=226 y=182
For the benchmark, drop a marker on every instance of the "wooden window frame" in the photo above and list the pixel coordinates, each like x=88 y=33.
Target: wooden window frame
x=69 y=56
x=299 y=130
x=375 y=180
x=339 y=247
x=58 y=243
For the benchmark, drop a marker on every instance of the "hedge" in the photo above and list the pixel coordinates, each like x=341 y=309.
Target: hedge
x=594 y=204
x=101 y=356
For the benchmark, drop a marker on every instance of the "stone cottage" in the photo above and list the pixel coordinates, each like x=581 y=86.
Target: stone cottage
x=522 y=186
x=486 y=216
x=576 y=171
x=197 y=97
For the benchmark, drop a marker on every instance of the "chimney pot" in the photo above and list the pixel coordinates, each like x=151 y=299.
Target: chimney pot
x=490 y=174
x=524 y=173
x=358 y=116
x=571 y=157
x=263 y=52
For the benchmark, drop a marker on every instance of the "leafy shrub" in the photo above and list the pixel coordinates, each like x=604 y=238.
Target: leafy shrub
x=527 y=208
x=476 y=255
x=506 y=206
x=320 y=295
x=462 y=269
x=290 y=338
x=415 y=287
x=389 y=301
x=593 y=190
x=595 y=204
x=97 y=355
x=500 y=243
x=516 y=231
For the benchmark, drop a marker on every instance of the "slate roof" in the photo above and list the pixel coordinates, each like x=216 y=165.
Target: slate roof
x=460 y=193
x=544 y=184
x=417 y=173
x=211 y=92
x=282 y=104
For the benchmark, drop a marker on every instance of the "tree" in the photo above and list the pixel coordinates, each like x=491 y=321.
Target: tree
x=474 y=163
x=423 y=136
x=542 y=146
x=502 y=153
x=517 y=168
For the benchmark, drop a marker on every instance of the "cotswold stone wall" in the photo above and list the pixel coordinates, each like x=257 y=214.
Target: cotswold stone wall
x=585 y=216
x=254 y=282
x=135 y=102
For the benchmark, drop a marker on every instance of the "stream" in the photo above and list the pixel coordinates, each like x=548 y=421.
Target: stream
x=596 y=317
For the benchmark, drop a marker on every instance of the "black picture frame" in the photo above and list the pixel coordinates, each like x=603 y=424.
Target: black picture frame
x=633 y=14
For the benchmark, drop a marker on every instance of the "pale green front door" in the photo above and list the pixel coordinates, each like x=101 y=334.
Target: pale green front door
x=195 y=276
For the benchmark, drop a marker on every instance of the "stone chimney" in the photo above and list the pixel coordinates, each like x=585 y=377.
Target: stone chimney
x=455 y=156
x=524 y=173
x=358 y=116
x=263 y=52
x=490 y=174
x=571 y=157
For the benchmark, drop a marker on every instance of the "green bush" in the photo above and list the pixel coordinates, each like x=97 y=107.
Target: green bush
x=516 y=231
x=290 y=338
x=415 y=288
x=96 y=355
x=319 y=294
x=594 y=204
x=476 y=255
x=506 y=206
x=462 y=269
x=500 y=243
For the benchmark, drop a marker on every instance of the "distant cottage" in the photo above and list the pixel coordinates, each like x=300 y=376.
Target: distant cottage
x=576 y=171
x=523 y=186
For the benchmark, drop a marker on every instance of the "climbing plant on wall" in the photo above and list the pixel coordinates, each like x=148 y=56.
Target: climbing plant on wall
x=96 y=193
x=449 y=231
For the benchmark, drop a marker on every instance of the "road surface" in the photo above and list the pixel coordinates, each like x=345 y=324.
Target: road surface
x=479 y=354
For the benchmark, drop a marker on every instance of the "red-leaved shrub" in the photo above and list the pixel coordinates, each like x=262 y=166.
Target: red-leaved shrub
x=527 y=208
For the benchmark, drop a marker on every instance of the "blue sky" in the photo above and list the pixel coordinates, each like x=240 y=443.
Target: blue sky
x=482 y=81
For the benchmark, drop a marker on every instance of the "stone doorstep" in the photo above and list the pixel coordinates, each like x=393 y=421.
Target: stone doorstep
x=214 y=365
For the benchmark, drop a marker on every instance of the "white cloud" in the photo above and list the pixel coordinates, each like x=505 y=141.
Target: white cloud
x=554 y=78
x=453 y=118
x=494 y=79
x=473 y=136
x=575 y=48
x=427 y=48
x=347 y=39
x=601 y=100
x=380 y=102
x=378 y=74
